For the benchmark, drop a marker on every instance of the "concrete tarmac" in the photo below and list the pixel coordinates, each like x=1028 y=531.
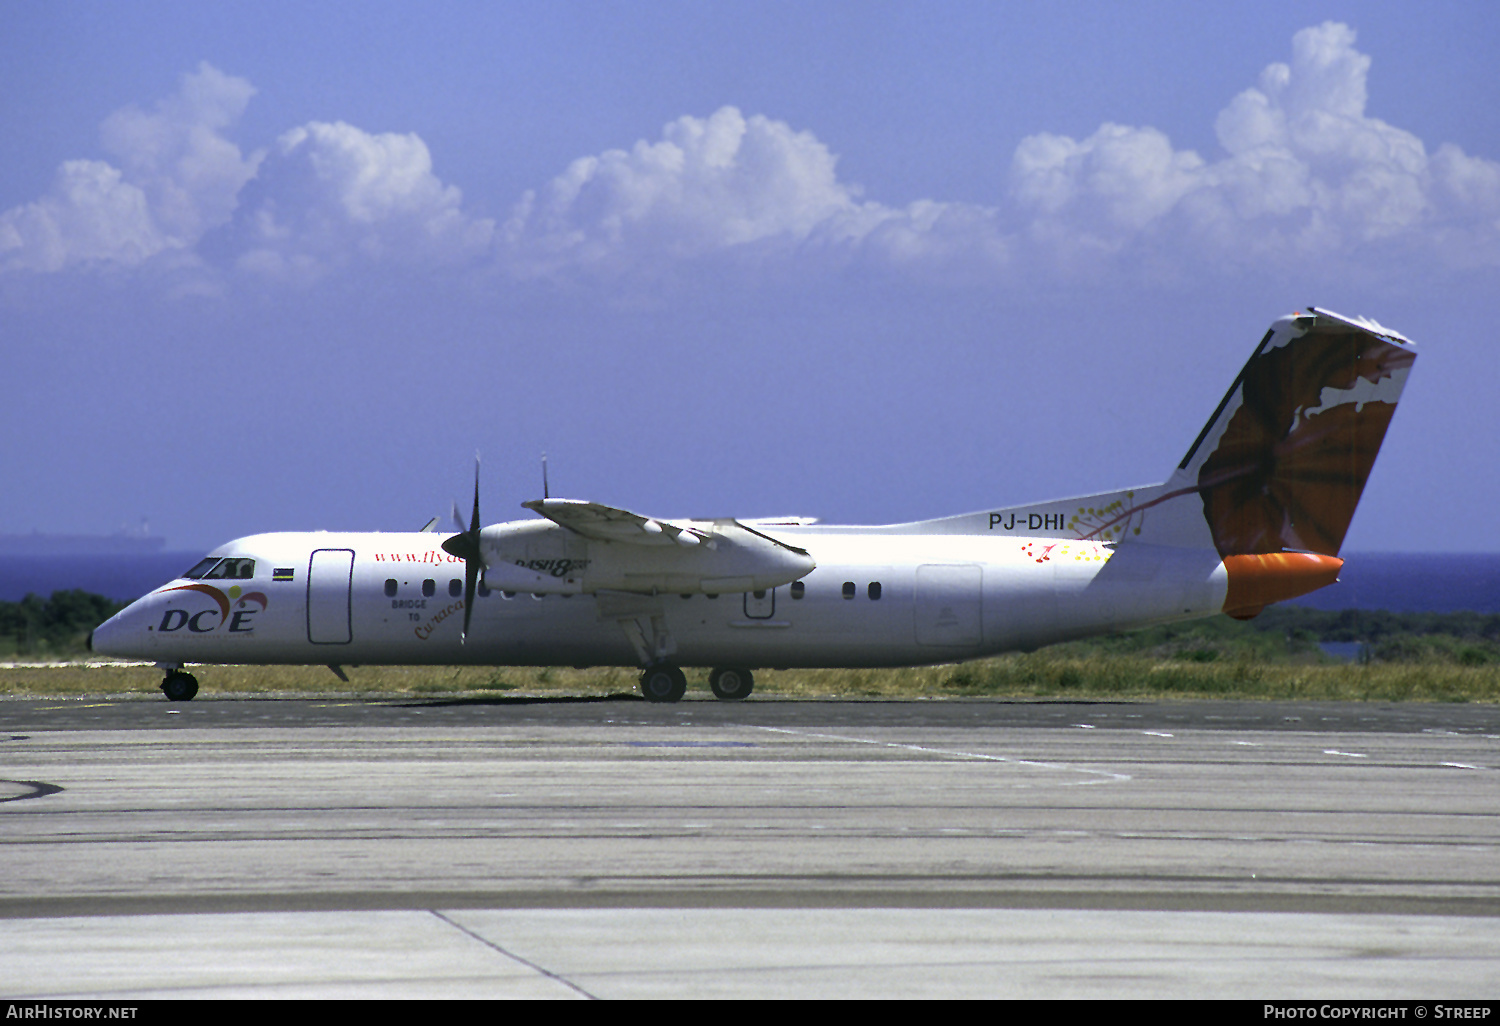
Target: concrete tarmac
x=612 y=848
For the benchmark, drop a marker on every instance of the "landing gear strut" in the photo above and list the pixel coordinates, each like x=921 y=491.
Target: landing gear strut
x=663 y=683
x=731 y=683
x=179 y=686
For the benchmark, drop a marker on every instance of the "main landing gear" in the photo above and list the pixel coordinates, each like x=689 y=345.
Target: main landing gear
x=667 y=683
x=731 y=683
x=663 y=683
x=179 y=686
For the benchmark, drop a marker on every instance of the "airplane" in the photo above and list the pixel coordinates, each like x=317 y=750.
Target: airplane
x=1254 y=513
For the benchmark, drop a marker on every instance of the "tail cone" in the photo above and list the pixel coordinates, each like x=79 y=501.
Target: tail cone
x=1258 y=580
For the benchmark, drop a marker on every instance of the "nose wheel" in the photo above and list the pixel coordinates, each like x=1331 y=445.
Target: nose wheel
x=179 y=686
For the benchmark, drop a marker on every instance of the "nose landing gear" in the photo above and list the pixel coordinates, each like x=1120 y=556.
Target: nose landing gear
x=179 y=686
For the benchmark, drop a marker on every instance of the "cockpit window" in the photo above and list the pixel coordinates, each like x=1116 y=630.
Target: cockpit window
x=214 y=569
x=201 y=568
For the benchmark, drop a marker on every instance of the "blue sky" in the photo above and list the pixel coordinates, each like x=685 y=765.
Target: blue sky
x=287 y=266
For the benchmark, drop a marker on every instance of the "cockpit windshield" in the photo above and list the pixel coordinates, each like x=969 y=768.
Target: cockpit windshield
x=214 y=569
x=201 y=568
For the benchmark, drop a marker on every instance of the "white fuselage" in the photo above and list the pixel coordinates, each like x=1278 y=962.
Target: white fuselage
x=877 y=597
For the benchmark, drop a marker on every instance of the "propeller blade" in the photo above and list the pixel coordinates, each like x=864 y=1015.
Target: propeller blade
x=471 y=578
x=465 y=546
x=471 y=566
x=474 y=520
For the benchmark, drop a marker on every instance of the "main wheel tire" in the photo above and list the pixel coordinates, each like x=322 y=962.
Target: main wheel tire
x=731 y=683
x=663 y=684
x=179 y=686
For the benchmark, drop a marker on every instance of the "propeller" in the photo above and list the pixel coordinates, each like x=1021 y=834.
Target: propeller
x=465 y=546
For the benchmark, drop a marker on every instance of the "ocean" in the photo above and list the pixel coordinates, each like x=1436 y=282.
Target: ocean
x=120 y=576
x=1399 y=582
x=1408 y=582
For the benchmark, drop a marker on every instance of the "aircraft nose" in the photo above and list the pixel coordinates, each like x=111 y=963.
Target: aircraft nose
x=106 y=639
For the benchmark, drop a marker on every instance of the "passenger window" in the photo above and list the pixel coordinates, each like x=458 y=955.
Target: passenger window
x=429 y=588
x=848 y=589
x=798 y=589
x=874 y=591
x=390 y=587
x=484 y=590
x=455 y=587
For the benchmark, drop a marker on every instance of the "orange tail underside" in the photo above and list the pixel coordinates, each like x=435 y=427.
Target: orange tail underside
x=1257 y=581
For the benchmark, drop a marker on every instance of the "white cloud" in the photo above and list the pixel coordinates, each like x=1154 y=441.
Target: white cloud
x=327 y=193
x=323 y=195
x=177 y=177
x=708 y=184
x=1307 y=175
x=727 y=184
x=1118 y=180
x=957 y=241
x=89 y=216
x=190 y=173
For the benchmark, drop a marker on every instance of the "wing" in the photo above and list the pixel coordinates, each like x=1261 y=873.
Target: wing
x=605 y=523
x=616 y=550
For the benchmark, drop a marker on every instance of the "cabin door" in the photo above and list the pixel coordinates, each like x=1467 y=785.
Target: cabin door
x=330 y=582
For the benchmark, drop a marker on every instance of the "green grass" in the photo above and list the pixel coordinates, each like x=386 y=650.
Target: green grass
x=1441 y=657
x=1050 y=674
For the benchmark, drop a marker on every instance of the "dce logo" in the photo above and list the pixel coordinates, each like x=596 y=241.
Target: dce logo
x=239 y=622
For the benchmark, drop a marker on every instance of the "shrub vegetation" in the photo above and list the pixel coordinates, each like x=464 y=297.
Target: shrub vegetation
x=1281 y=654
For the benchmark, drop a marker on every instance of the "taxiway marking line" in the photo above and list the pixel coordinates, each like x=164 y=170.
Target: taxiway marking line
x=1106 y=776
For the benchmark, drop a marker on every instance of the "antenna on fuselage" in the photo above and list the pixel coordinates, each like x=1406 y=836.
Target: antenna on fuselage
x=546 y=491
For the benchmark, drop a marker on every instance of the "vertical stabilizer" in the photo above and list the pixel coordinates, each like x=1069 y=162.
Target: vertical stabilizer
x=1281 y=464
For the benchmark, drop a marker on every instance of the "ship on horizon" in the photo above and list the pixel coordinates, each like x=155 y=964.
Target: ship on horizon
x=125 y=541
